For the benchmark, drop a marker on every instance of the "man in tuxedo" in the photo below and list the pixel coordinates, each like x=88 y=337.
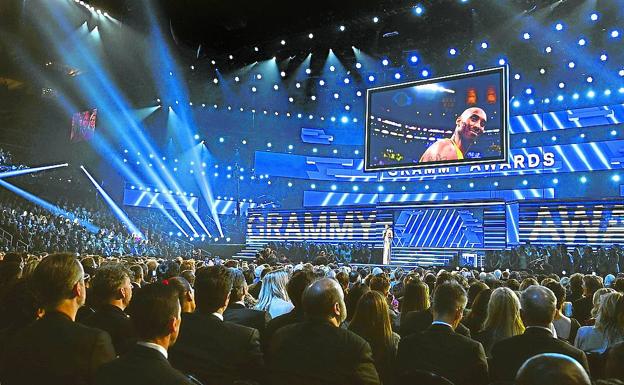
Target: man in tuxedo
x=112 y=290
x=318 y=351
x=551 y=368
x=156 y=314
x=439 y=349
x=55 y=349
x=209 y=348
x=538 y=307
x=236 y=311
x=297 y=284
x=581 y=308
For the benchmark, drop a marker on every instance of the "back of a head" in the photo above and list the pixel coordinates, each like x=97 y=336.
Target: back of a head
x=551 y=368
x=54 y=278
x=538 y=306
x=558 y=291
x=591 y=283
x=320 y=298
x=448 y=298
x=168 y=269
x=415 y=296
x=380 y=283
x=151 y=310
x=212 y=288
x=503 y=314
x=354 y=295
x=297 y=285
x=107 y=281
x=610 y=319
x=238 y=284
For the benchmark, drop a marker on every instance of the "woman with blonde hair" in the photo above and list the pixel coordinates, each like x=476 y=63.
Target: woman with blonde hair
x=503 y=319
x=273 y=295
x=596 y=300
x=371 y=321
x=609 y=327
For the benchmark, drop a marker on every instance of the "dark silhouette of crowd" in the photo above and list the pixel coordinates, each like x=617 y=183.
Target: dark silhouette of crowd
x=329 y=252
x=140 y=320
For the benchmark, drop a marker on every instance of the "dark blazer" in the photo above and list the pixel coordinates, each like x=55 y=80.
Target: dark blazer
x=292 y=317
x=217 y=352
x=316 y=352
x=418 y=321
x=55 y=350
x=581 y=309
x=140 y=366
x=252 y=318
x=508 y=355
x=442 y=351
x=117 y=324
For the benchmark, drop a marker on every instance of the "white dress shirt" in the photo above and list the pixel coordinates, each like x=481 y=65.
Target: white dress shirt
x=154 y=346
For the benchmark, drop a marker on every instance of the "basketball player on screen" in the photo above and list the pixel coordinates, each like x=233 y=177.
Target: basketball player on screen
x=469 y=126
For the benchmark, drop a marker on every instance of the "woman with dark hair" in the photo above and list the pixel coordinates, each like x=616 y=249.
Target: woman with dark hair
x=185 y=293
x=371 y=321
x=478 y=312
x=415 y=297
x=352 y=298
x=566 y=327
x=473 y=291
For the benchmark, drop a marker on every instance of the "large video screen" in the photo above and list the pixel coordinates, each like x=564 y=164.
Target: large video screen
x=83 y=125
x=449 y=121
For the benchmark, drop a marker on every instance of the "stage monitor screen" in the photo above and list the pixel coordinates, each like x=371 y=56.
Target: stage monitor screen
x=83 y=125
x=448 y=121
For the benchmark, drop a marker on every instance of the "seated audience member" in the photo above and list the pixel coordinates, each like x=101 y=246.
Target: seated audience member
x=473 y=291
x=381 y=284
x=614 y=367
x=371 y=321
x=538 y=307
x=609 y=327
x=581 y=308
x=185 y=292
x=503 y=319
x=318 y=351
x=137 y=276
x=55 y=349
x=297 y=284
x=216 y=351
x=478 y=312
x=273 y=296
x=439 y=349
x=415 y=297
x=565 y=327
x=155 y=313
x=552 y=368
x=112 y=290
x=596 y=300
x=353 y=297
x=260 y=272
x=237 y=312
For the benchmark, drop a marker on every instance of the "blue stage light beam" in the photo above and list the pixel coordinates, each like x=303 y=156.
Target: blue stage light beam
x=9 y=174
x=49 y=206
x=119 y=213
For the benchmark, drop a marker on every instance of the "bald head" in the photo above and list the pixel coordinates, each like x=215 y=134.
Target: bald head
x=551 y=368
x=324 y=299
x=538 y=306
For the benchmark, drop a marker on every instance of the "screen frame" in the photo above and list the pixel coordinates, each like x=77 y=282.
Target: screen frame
x=504 y=100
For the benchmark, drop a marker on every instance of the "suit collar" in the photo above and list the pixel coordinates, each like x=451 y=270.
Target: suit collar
x=236 y=305
x=441 y=327
x=538 y=331
x=56 y=315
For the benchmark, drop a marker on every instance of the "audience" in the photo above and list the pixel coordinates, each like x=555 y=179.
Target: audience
x=211 y=349
x=503 y=319
x=552 y=368
x=538 y=305
x=55 y=349
x=156 y=315
x=439 y=349
x=581 y=308
x=237 y=312
x=478 y=312
x=185 y=292
x=318 y=351
x=565 y=327
x=415 y=297
x=273 y=296
x=609 y=327
x=371 y=321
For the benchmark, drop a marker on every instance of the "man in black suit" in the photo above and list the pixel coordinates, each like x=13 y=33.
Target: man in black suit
x=237 y=312
x=112 y=289
x=209 y=348
x=297 y=284
x=55 y=349
x=538 y=307
x=552 y=368
x=439 y=349
x=318 y=351
x=156 y=314
x=418 y=321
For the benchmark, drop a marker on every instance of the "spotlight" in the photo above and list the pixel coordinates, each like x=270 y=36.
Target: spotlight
x=615 y=178
x=259 y=76
x=344 y=119
x=470 y=67
x=346 y=80
x=561 y=85
x=502 y=61
x=215 y=81
x=283 y=74
x=311 y=36
x=321 y=82
x=385 y=62
x=452 y=52
x=308 y=71
x=571 y=64
x=414 y=59
x=371 y=78
x=375 y=19
x=397 y=76
x=548 y=49
x=559 y=26
x=484 y=45
x=593 y=17
x=342 y=28
x=358 y=65
x=615 y=33
x=590 y=79
x=283 y=42
x=196 y=137
x=583 y=179
x=575 y=96
x=332 y=68
x=582 y=42
x=237 y=79
x=526 y=36
x=603 y=57
x=424 y=73
x=275 y=87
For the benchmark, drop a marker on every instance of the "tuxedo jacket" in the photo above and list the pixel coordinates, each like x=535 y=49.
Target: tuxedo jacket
x=252 y=318
x=55 y=350
x=418 y=321
x=581 y=309
x=292 y=317
x=140 y=366
x=117 y=324
x=509 y=354
x=217 y=352
x=315 y=352
x=442 y=351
